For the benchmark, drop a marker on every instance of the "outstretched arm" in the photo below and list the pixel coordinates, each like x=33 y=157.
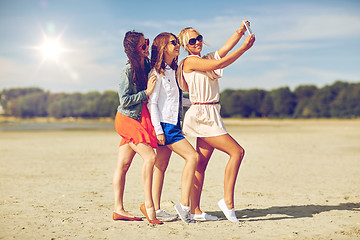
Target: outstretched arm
x=194 y=63
x=233 y=40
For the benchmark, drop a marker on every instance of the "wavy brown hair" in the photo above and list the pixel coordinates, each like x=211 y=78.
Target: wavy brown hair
x=157 y=52
x=131 y=41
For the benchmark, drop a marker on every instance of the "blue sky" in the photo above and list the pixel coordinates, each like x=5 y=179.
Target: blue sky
x=297 y=42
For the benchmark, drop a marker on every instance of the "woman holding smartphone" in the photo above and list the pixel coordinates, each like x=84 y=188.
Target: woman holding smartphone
x=133 y=124
x=199 y=76
x=164 y=105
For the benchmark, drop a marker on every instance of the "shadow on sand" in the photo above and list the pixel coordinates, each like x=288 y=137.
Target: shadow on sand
x=287 y=212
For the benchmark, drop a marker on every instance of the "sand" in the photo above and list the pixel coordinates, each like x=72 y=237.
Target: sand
x=300 y=179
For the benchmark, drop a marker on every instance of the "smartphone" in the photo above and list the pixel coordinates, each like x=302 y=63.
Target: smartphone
x=248 y=28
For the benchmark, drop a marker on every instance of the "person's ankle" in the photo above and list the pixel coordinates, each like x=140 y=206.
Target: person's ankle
x=229 y=204
x=185 y=208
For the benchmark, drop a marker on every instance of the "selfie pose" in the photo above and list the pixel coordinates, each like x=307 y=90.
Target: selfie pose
x=164 y=105
x=133 y=124
x=199 y=76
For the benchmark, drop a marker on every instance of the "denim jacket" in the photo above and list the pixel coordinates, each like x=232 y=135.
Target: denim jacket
x=131 y=101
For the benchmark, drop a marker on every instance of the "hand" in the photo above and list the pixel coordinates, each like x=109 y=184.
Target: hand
x=161 y=139
x=151 y=84
x=242 y=29
x=249 y=41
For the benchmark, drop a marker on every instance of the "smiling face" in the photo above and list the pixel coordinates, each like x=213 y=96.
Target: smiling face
x=172 y=50
x=197 y=47
x=143 y=52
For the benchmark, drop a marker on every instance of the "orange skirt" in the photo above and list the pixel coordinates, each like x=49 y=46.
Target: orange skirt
x=137 y=132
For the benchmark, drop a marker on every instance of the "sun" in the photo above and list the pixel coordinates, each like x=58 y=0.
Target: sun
x=53 y=52
x=51 y=49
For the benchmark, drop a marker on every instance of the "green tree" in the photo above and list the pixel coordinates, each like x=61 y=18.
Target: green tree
x=252 y=102
x=54 y=107
x=8 y=98
x=32 y=105
x=107 y=104
x=303 y=96
x=226 y=101
x=267 y=106
x=284 y=102
x=324 y=98
x=346 y=104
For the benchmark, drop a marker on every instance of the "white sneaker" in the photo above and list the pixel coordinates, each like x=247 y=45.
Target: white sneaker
x=184 y=213
x=229 y=213
x=204 y=217
x=164 y=216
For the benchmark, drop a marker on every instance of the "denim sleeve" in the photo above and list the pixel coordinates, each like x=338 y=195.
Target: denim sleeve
x=127 y=92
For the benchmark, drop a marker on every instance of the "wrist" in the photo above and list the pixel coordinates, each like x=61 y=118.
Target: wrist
x=239 y=32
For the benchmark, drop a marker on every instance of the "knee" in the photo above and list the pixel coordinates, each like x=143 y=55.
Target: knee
x=194 y=158
x=124 y=167
x=238 y=153
x=162 y=164
x=242 y=152
x=150 y=160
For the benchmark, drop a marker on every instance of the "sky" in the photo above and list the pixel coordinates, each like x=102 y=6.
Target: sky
x=297 y=42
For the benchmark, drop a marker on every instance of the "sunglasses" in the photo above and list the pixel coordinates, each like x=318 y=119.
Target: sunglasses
x=192 y=41
x=174 y=42
x=143 y=47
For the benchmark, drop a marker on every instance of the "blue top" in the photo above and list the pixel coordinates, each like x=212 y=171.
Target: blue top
x=131 y=100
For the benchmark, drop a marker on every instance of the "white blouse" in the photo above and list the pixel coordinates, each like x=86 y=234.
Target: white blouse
x=164 y=103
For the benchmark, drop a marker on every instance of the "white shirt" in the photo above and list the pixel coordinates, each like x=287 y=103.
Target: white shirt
x=164 y=101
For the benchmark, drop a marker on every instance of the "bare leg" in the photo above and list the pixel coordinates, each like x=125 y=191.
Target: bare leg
x=191 y=157
x=227 y=144
x=148 y=155
x=125 y=157
x=163 y=154
x=205 y=151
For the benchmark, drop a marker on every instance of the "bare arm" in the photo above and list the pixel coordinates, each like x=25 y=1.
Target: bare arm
x=233 y=40
x=193 y=63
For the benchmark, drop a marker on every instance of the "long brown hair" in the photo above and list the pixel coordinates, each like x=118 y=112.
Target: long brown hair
x=157 y=52
x=131 y=41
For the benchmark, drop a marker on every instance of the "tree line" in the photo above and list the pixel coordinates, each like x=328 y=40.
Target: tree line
x=339 y=100
x=35 y=102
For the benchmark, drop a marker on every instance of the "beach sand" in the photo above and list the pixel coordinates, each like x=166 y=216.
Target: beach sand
x=300 y=179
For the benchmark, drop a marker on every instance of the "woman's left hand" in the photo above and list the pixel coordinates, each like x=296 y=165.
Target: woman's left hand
x=161 y=139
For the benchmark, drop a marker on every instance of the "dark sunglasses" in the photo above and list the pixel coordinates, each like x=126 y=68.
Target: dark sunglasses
x=192 y=41
x=143 y=47
x=174 y=42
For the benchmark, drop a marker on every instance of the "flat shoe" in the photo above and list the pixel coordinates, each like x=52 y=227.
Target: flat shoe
x=143 y=210
x=117 y=216
x=229 y=213
x=204 y=217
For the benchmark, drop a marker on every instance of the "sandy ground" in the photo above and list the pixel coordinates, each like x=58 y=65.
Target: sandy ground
x=300 y=179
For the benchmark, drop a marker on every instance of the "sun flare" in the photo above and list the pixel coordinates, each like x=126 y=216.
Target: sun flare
x=51 y=49
x=54 y=53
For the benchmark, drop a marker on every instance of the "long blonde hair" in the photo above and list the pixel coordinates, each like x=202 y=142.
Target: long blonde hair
x=157 y=52
x=184 y=36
